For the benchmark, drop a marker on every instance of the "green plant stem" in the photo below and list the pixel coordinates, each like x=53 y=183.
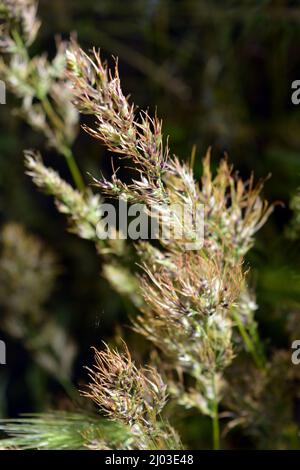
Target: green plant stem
x=74 y=170
x=65 y=150
x=56 y=120
x=215 y=418
x=250 y=345
x=20 y=43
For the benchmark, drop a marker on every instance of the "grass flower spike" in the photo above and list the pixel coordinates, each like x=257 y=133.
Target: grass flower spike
x=191 y=297
x=132 y=396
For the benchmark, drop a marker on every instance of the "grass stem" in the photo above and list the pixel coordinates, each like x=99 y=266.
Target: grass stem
x=215 y=418
x=74 y=170
x=250 y=345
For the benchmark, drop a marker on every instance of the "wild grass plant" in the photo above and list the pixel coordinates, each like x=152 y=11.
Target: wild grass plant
x=195 y=308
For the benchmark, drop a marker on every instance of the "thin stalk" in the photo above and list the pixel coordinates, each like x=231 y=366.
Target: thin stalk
x=215 y=418
x=66 y=151
x=20 y=44
x=56 y=120
x=250 y=345
x=74 y=170
x=193 y=156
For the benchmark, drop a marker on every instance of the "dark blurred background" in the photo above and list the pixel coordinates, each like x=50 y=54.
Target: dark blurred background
x=219 y=73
